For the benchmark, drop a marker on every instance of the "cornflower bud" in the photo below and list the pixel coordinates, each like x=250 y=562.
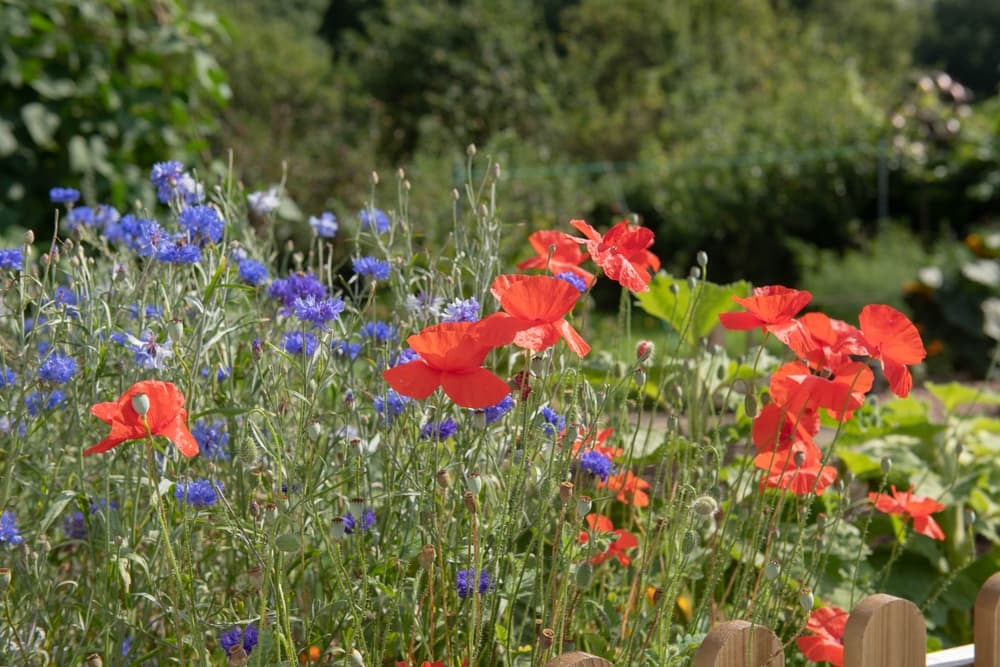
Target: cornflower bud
x=29 y=237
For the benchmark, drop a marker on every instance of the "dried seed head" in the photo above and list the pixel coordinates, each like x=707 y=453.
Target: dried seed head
x=443 y=478
x=426 y=557
x=339 y=530
x=545 y=638
x=95 y=660
x=469 y=499
x=565 y=491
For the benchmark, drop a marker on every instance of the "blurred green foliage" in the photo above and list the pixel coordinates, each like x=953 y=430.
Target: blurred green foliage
x=93 y=92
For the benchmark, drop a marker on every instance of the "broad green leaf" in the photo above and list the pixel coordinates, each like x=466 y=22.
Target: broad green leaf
x=40 y=123
x=955 y=394
x=692 y=313
x=860 y=464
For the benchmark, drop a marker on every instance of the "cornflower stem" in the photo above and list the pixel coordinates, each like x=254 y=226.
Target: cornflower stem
x=416 y=619
x=13 y=631
x=177 y=581
x=444 y=592
x=473 y=641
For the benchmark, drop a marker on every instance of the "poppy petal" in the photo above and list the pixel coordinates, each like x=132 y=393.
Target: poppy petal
x=892 y=333
x=898 y=375
x=106 y=412
x=573 y=338
x=414 y=379
x=176 y=431
x=742 y=321
x=476 y=389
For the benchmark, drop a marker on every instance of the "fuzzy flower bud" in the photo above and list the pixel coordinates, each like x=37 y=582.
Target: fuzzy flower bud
x=644 y=350
x=704 y=506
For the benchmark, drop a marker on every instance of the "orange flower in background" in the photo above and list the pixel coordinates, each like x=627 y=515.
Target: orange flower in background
x=623 y=253
x=451 y=356
x=596 y=443
x=163 y=405
x=599 y=523
x=772 y=309
x=631 y=489
x=828 y=624
x=797 y=469
x=917 y=507
x=534 y=309
x=566 y=255
x=893 y=340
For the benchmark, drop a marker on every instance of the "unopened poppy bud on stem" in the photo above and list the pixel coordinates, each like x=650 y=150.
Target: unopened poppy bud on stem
x=702 y=258
x=644 y=350
x=886 y=464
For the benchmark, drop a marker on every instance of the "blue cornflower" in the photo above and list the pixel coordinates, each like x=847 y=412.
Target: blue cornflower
x=7 y=377
x=324 y=226
x=439 y=430
x=143 y=236
x=298 y=342
x=9 y=534
x=149 y=352
x=221 y=372
x=75 y=526
x=252 y=272
x=106 y=215
x=151 y=312
x=64 y=195
x=367 y=521
x=462 y=310
x=391 y=405
x=213 y=440
x=375 y=269
x=199 y=492
x=554 y=422
x=179 y=251
x=495 y=412
x=343 y=348
x=596 y=464
x=264 y=201
x=230 y=639
x=11 y=258
x=405 y=356
x=295 y=286
x=317 y=311
x=37 y=402
x=423 y=304
x=378 y=331
x=375 y=217
x=64 y=295
x=80 y=215
x=173 y=182
x=202 y=221
x=57 y=368
x=576 y=281
x=466 y=580
x=127 y=645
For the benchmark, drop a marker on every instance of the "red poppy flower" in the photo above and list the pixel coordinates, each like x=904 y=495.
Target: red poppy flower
x=773 y=309
x=534 y=309
x=797 y=469
x=451 y=356
x=828 y=624
x=776 y=428
x=796 y=389
x=165 y=416
x=895 y=342
x=601 y=524
x=831 y=342
x=917 y=507
x=631 y=489
x=565 y=256
x=623 y=253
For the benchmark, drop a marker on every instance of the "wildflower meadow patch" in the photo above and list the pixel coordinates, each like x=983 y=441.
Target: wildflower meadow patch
x=376 y=451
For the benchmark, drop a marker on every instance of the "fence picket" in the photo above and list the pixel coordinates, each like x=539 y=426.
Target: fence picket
x=885 y=630
x=730 y=644
x=986 y=628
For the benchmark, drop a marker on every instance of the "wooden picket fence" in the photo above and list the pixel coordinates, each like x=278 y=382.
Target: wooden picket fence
x=882 y=631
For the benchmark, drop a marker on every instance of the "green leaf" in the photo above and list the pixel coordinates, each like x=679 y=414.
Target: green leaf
x=955 y=394
x=56 y=508
x=692 y=313
x=861 y=465
x=40 y=123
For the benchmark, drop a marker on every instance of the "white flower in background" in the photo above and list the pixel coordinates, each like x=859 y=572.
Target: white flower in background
x=983 y=271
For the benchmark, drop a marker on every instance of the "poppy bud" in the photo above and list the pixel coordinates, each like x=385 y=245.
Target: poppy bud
x=29 y=237
x=639 y=375
x=806 y=599
x=702 y=258
x=583 y=505
x=800 y=459
x=314 y=429
x=886 y=465
x=473 y=482
x=689 y=541
x=970 y=516
x=772 y=570
x=470 y=150
x=400 y=173
x=695 y=273
x=675 y=289
x=692 y=282
x=704 y=506
x=374 y=178
x=644 y=350
x=339 y=530
x=140 y=403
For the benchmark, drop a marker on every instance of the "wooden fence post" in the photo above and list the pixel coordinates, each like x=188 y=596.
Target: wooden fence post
x=986 y=623
x=578 y=659
x=885 y=631
x=730 y=644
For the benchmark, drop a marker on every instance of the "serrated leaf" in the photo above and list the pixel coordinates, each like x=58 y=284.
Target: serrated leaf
x=691 y=313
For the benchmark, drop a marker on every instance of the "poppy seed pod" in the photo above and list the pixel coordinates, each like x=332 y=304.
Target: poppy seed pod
x=339 y=530
x=583 y=505
x=470 y=501
x=565 y=491
x=356 y=507
x=772 y=570
x=426 y=557
x=545 y=638
x=95 y=660
x=443 y=478
x=806 y=599
x=473 y=482
x=140 y=403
